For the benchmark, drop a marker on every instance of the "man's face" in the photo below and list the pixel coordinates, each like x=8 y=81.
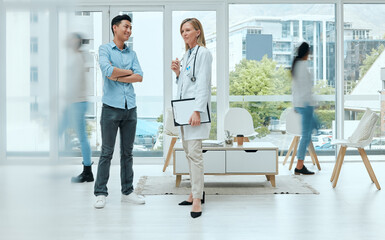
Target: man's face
x=123 y=30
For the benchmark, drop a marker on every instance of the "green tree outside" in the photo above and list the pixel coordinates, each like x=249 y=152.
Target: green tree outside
x=257 y=78
x=370 y=59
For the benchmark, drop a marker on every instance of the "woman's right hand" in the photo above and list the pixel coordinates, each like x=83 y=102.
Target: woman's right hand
x=175 y=66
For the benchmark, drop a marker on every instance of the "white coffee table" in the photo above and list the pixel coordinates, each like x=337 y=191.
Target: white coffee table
x=253 y=158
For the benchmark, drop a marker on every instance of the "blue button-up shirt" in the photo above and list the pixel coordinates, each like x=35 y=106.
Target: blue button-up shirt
x=116 y=94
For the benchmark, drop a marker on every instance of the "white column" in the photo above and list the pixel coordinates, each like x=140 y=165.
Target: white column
x=340 y=70
x=53 y=84
x=222 y=67
x=3 y=105
x=167 y=72
x=324 y=50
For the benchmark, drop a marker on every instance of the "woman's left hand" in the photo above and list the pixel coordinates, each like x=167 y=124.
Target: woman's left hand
x=195 y=119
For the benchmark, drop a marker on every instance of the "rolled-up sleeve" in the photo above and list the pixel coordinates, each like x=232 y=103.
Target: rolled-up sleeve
x=104 y=61
x=203 y=82
x=136 y=66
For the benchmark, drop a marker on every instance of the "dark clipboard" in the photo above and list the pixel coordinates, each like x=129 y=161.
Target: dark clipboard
x=182 y=110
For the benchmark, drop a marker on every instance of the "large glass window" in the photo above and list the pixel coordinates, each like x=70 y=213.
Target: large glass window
x=147 y=41
x=260 y=79
x=364 y=72
x=27 y=81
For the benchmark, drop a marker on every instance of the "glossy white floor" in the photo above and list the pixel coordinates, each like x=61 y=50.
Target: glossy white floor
x=39 y=202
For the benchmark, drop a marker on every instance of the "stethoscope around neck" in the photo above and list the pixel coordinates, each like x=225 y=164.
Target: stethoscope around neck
x=193 y=78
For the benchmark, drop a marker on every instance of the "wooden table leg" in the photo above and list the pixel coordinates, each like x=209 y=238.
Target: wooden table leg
x=178 y=180
x=272 y=180
x=268 y=177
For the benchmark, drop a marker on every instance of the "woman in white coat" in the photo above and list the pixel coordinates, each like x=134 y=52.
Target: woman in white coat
x=194 y=81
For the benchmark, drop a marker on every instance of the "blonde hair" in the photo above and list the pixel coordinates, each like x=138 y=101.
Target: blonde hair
x=197 y=26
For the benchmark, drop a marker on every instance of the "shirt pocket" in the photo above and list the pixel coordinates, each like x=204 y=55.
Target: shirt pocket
x=188 y=72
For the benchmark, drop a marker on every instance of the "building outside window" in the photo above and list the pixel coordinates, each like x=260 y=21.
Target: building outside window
x=285 y=29
x=34 y=45
x=34 y=75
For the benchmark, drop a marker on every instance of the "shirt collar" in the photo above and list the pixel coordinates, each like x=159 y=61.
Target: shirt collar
x=113 y=45
x=192 y=49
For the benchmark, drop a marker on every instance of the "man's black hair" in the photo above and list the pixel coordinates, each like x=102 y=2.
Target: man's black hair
x=116 y=21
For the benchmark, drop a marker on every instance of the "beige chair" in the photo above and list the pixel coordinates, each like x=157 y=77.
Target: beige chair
x=239 y=121
x=170 y=130
x=293 y=127
x=361 y=137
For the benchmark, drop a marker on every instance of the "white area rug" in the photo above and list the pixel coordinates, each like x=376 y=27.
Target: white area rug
x=225 y=185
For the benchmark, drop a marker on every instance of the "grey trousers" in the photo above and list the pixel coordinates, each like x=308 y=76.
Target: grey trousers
x=112 y=119
x=193 y=150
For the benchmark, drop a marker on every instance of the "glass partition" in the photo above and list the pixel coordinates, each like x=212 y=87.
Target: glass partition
x=364 y=68
x=262 y=42
x=27 y=82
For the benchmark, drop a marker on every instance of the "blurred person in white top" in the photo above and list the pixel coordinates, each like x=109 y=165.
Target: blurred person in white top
x=76 y=104
x=303 y=103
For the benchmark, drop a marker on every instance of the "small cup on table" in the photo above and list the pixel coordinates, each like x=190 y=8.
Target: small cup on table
x=240 y=139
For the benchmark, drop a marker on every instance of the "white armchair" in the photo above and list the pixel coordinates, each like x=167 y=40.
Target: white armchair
x=239 y=121
x=169 y=130
x=361 y=137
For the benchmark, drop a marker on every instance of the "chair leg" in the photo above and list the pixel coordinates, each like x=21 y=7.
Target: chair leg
x=339 y=165
x=363 y=153
x=296 y=138
x=311 y=156
x=289 y=151
x=281 y=154
x=173 y=141
x=369 y=167
x=335 y=166
x=314 y=154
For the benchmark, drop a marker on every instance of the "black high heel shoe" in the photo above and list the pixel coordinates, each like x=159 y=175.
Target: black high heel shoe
x=195 y=214
x=187 y=203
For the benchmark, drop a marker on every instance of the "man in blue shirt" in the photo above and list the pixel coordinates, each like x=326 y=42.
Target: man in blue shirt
x=120 y=68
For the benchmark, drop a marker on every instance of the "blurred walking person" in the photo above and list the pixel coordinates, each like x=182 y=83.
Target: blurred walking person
x=303 y=102
x=76 y=104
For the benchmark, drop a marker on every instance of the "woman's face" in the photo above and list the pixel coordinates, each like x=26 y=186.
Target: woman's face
x=189 y=34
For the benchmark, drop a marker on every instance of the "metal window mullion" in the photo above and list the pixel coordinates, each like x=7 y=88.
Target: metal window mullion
x=222 y=67
x=340 y=71
x=3 y=98
x=53 y=84
x=167 y=58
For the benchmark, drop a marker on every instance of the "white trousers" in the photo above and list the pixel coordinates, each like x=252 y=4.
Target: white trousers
x=193 y=150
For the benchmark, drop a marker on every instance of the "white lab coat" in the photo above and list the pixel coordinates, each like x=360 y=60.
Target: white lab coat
x=200 y=89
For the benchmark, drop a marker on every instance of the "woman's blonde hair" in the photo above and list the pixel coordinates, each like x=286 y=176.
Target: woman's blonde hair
x=197 y=26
